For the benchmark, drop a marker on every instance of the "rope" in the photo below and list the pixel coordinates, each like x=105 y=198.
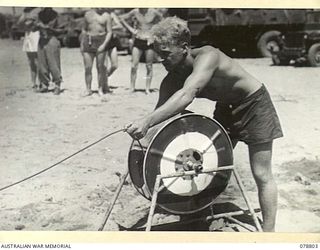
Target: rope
x=63 y=160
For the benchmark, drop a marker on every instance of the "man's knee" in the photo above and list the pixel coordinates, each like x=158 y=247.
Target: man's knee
x=134 y=67
x=101 y=67
x=262 y=174
x=88 y=70
x=113 y=67
x=149 y=67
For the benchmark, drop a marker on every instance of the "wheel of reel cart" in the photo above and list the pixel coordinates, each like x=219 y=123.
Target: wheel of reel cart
x=186 y=142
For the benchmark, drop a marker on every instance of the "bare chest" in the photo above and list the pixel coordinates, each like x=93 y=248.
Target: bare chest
x=95 y=19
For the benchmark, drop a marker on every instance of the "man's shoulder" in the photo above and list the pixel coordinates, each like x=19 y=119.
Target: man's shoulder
x=134 y=11
x=106 y=16
x=153 y=10
x=205 y=51
x=88 y=13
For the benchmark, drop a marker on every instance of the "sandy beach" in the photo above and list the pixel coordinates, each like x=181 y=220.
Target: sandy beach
x=37 y=130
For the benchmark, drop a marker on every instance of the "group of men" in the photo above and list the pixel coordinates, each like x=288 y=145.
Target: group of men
x=99 y=38
x=243 y=104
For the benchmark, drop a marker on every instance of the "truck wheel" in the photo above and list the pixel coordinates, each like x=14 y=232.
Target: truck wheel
x=268 y=42
x=314 y=55
x=277 y=61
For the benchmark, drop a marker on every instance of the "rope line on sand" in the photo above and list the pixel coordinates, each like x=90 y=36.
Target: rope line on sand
x=63 y=160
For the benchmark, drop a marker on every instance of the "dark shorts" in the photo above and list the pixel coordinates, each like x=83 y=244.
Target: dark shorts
x=254 y=120
x=113 y=43
x=142 y=44
x=92 y=43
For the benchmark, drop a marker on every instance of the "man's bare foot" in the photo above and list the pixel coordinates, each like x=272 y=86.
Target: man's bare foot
x=109 y=91
x=87 y=93
x=147 y=91
x=100 y=92
x=104 y=98
x=132 y=90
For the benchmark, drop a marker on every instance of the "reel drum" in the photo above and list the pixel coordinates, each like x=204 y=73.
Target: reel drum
x=186 y=142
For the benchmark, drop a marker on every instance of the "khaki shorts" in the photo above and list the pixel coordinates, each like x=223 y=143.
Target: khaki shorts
x=254 y=120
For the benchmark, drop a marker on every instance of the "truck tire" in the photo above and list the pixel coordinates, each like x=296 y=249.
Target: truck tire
x=267 y=42
x=314 y=55
x=279 y=62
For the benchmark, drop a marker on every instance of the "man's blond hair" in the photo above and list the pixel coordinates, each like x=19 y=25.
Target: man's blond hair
x=171 y=30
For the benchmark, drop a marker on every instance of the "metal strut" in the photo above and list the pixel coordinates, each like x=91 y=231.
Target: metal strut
x=157 y=189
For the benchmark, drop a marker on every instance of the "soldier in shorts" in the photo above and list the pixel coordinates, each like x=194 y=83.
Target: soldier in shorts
x=145 y=19
x=243 y=105
x=95 y=37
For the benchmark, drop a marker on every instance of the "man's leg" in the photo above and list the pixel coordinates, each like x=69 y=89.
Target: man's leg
x=33 y=64
x=149 y=62
x=101 y=69
x=44 y=76
x=113 y=57
x=260 y=161
x=54 y=62
x=136 y=54
x=88 y=62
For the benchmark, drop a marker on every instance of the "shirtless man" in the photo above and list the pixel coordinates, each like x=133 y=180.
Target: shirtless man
x=95 y=37
x=114 y=44
x=145 y=19
x=243 y=105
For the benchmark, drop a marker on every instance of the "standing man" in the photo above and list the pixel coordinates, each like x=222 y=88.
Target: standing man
x=28 y=22
x=243 y=105
x=49 y=50
x=95 y=37
x=145 y=19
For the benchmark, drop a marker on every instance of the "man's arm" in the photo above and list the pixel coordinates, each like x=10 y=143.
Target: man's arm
x=108 y=35
x=204 y=67
x=52 y=25
x=128 y=15
x=158 y=14
x=118 y=25
x=83 y=33
x=168 y=87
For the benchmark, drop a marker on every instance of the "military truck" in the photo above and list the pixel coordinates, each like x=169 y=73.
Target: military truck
x=241 y=31
x=302 y=46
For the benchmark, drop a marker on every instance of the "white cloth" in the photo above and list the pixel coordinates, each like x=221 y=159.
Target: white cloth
x=30 y=42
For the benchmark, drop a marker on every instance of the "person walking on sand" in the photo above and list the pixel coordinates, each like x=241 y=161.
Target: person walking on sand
x=49 y=50
x=243 y=104
x=95 y=37
x=27 y=22
x=145 y=18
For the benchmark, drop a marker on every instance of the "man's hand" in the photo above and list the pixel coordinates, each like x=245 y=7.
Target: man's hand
x=138 y=129
x=81 y=47
x=101 y=48
x=42 y=26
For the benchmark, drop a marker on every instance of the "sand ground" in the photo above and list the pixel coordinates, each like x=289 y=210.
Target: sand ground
x=37 y=130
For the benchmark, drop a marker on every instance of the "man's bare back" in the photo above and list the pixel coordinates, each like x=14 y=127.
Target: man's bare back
x=95 y=23
x=230 y=83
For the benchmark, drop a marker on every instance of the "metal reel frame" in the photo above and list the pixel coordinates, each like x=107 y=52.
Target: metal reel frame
x=154 y=187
